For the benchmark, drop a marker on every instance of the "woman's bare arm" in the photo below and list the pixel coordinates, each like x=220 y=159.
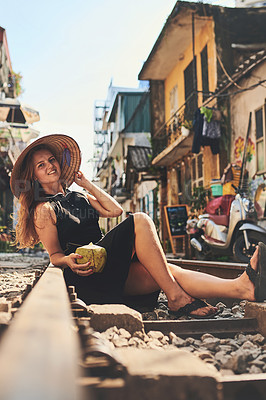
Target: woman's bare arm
x=45 y=225
x=105 y=204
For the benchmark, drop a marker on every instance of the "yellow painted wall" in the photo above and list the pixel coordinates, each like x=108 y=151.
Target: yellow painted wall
x=176 y=77
x=204 y=37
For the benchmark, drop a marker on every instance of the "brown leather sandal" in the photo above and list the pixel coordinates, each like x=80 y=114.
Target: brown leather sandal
x=188 y=308
x=258 y=278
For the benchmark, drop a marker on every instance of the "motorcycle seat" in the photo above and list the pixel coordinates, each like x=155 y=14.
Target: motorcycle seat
x=220 y=219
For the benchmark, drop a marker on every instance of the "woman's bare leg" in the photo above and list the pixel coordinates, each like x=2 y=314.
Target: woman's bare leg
x=176 y=282
x=150 y=254
x=198 y=284
x=141 y=282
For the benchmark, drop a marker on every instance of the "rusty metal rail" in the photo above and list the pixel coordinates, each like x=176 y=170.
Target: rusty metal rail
x=39 y=352
x=196 y=328
x=227 y=270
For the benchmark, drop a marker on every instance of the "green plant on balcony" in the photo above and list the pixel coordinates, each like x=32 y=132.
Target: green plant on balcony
x=187 y=123
x=186 y=127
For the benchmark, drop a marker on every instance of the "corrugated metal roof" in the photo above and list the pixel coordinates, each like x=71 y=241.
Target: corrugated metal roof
x=246 y=66
x=138 y=157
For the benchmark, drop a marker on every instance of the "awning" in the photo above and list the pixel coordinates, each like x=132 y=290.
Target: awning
x=138 y=157
x=18 y=131
x=174 y=151
x=11 y=110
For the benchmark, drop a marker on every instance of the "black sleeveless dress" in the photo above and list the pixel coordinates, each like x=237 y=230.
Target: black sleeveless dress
x=77 y=225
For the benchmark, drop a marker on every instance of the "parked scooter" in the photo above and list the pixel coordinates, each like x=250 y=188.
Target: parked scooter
x=235 y=233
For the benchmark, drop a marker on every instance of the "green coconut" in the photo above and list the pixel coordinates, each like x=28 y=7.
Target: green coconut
x=97 y=256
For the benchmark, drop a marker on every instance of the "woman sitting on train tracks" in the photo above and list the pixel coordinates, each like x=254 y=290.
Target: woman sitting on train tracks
x=136 y=265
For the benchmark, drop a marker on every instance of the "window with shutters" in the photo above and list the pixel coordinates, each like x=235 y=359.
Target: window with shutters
x=197 y=171
x=204 y=73
x=190 y=80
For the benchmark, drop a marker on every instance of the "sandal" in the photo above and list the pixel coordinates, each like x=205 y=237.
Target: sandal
x=188 y=308
x=258 y=278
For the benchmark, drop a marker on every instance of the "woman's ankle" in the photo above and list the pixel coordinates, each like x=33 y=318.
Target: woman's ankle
x=244 y=288
x=178 y=298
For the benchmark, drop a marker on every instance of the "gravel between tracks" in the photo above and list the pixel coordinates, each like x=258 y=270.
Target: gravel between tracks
x=244 y=353
x=17 y=271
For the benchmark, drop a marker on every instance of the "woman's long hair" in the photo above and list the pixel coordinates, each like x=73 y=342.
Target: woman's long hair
x=26 y=235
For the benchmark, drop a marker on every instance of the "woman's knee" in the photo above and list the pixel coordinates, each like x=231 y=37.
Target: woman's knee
x=141 y=219
x=174 y=268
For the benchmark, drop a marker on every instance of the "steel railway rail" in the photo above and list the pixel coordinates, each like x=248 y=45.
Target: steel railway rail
x=40 y=352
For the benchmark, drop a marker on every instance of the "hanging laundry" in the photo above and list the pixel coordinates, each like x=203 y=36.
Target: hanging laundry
x=211 y=129
x=213 y=143
x=198 y=126
x=200 y=140
x=207 y=113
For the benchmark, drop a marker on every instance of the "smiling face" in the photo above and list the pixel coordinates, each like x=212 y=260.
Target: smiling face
x=46 y=168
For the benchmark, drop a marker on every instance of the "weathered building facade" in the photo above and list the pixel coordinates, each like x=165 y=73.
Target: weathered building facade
x=123 y=151
x=247 y=93
x=199 y=47
x=7 y=87
x=15 y=130
x=6 y=90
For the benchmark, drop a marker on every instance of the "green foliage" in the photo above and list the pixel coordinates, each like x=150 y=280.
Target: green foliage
x=188 y=124
x=152 y=169
x=207 y=112
x=200 y=197
x=17 y=81
x=7 y=247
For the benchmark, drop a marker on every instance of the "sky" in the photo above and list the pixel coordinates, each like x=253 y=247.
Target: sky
x=68 y=52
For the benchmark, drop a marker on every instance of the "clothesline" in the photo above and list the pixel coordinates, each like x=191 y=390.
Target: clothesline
x=215 y=95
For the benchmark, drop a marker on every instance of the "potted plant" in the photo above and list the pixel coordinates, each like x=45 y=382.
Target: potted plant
x=186 y=127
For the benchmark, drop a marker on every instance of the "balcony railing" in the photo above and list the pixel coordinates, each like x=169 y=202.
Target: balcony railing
x=172 y=129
